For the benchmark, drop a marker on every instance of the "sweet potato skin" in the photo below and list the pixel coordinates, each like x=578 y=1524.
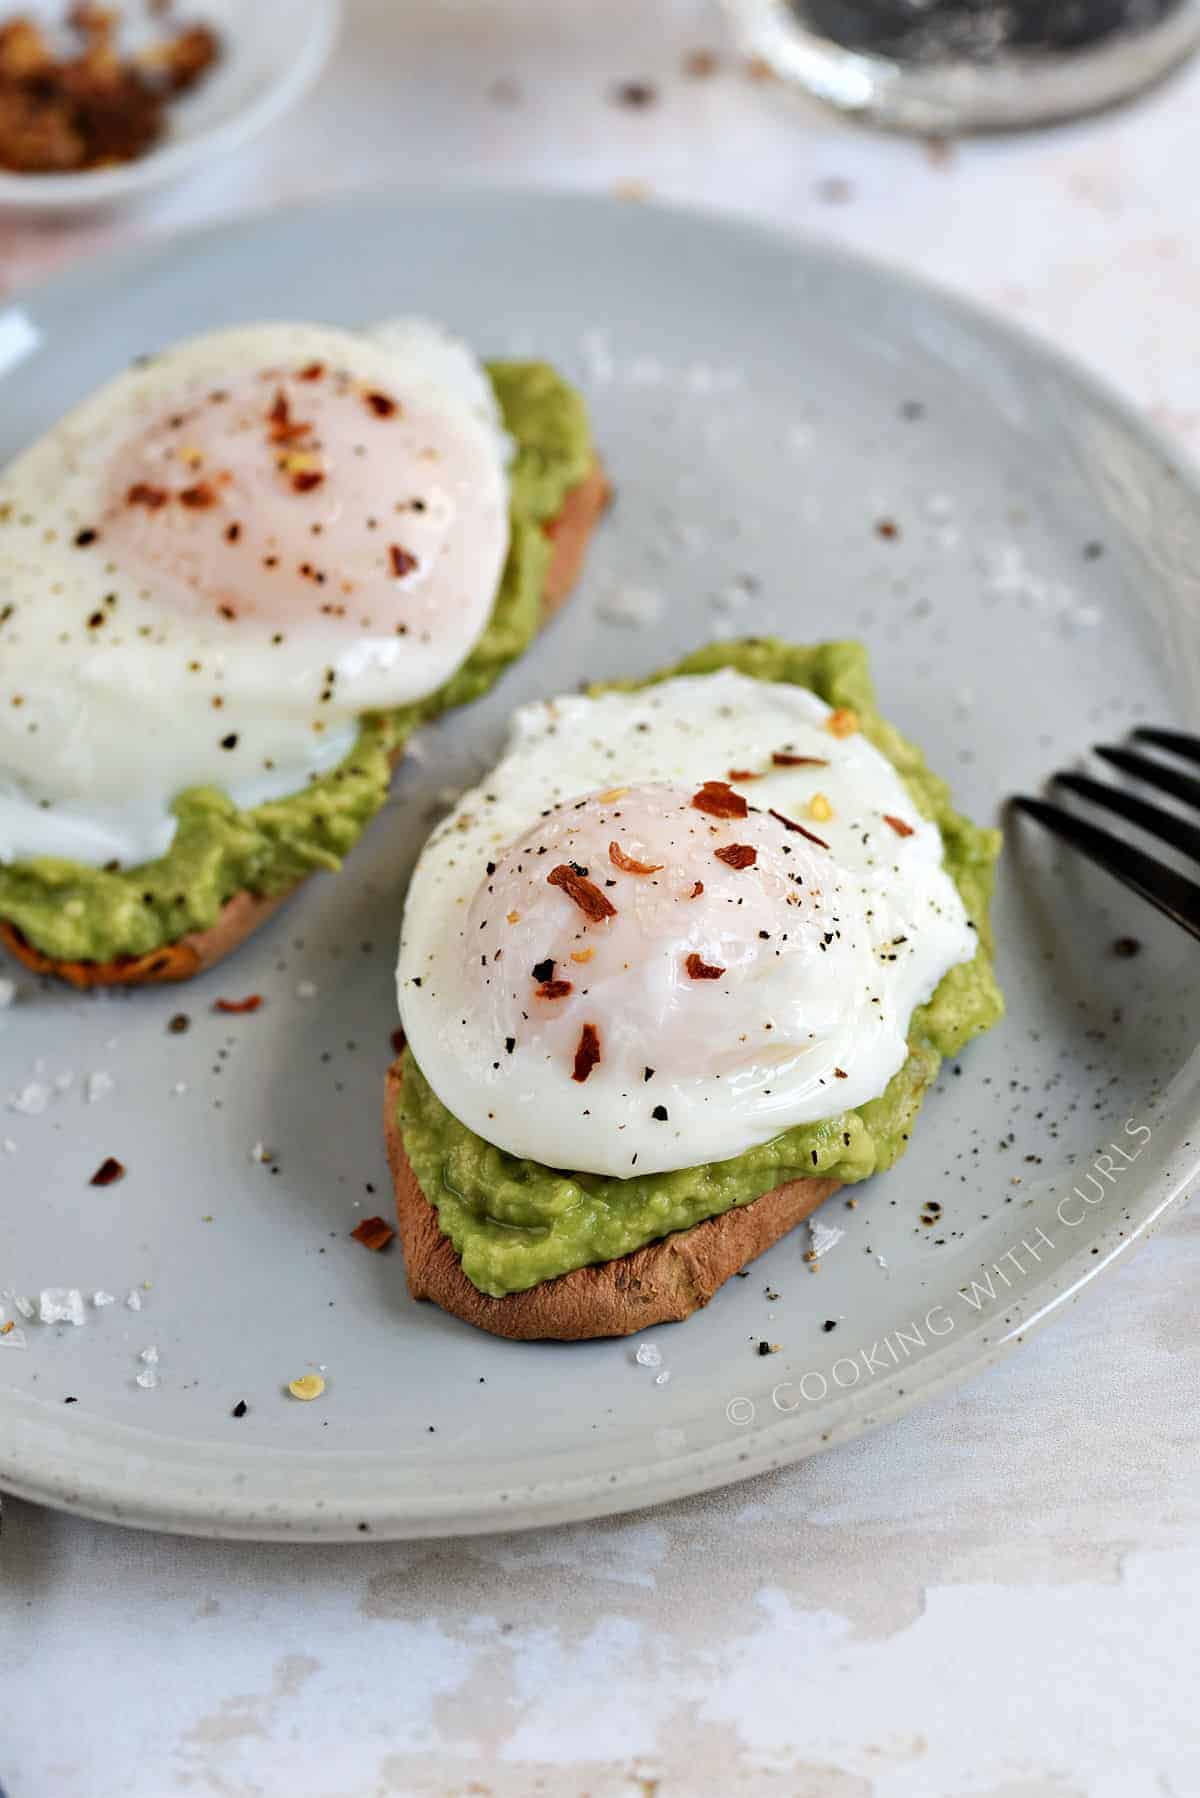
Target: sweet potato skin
x=570 y=533
x=662 y=1283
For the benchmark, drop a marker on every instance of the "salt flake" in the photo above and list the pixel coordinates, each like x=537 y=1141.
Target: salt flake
x=823 y=1237
x=133 y=1300
x=648 y=1355
x=99 y=1085
x=61 y=1305
x=631 y=606
x=31 y=1100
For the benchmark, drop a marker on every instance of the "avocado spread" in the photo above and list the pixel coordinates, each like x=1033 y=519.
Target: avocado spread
x=515 y=1223
x=79 y=913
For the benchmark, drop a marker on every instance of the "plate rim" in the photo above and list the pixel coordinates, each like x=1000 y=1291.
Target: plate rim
x=387 y=1515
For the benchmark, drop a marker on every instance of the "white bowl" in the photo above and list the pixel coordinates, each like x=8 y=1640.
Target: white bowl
x=271 y=53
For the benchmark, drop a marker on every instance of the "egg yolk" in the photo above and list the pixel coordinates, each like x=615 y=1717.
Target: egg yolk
x=307 y=501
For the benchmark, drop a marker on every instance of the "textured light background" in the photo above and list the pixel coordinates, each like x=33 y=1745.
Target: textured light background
x=995 y=1597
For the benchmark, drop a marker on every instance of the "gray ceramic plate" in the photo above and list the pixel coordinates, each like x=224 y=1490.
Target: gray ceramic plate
x=763 y=404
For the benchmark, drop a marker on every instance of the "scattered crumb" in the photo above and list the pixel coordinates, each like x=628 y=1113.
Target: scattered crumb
x=834 y=190
x=306 y=989
x=636 y=94
x=940 y=151
x=1126 y=947
x=108 y=1173
x=698 y=65
x=307 y=1387
x=373 y=1232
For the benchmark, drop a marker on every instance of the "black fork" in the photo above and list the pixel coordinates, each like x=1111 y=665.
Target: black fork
x=1172 y=892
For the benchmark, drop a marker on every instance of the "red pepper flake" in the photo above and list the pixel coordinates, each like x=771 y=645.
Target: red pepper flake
x=143 y=494
x=313 y=372
x=887 y=528
x=232 y=533
x=402 y=562
x=284 y=429
x=743 y=774
x=110 y=1170
x=198 y=498
x=588 y=1052
x=898 y=825
x=382 y=404
x=783 y=758
x=398 y=1041
x=307 y=479
x=554 y=989
x=718 y=798
x=373 y=1232
x=737 y=855
x=791 y=824
x=238 y=1005
x=699 y=969
x=626 y=863
x=841 y=1073
x=587 y=896
x=697 y=889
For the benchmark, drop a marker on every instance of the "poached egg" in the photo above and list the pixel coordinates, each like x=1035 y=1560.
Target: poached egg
x=672 y=924
x=219 y=561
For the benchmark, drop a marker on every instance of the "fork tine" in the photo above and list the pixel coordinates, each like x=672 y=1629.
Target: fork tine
x=1155 y=774
x=1164 y=825
x=1172 y=893
x=1176 y=740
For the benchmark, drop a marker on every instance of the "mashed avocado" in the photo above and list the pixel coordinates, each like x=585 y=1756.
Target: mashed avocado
x=79 y=913
x=515 y=1223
